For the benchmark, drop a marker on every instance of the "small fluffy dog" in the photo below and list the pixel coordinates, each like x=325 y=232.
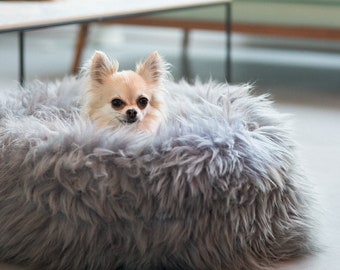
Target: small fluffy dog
x=114 y=98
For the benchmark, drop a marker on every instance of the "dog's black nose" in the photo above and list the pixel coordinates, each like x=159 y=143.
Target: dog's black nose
x=131 y=115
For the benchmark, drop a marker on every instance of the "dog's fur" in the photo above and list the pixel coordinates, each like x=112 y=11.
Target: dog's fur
x=116 y=98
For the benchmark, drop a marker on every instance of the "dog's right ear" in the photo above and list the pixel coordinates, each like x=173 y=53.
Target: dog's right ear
x=102 y=67
x=153 y=70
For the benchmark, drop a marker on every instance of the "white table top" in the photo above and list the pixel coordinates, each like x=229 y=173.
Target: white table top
x=16 y=16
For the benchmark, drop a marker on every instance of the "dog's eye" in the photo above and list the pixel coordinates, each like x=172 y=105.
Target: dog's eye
x=117 y=103
x=142 y=102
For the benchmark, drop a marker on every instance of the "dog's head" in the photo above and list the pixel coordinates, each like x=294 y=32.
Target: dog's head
x=125 y=97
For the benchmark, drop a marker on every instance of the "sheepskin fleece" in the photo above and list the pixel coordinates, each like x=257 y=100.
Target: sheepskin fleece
x=218 y=188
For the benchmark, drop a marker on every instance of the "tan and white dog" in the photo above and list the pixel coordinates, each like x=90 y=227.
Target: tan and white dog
x=115 y=98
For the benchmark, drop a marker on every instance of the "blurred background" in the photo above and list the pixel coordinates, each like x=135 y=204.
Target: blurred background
x=291 y=69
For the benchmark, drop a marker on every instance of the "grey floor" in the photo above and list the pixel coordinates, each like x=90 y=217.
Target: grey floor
x=303 y=78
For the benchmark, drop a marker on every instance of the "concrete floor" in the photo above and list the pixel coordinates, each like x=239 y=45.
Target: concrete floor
x=303 y=78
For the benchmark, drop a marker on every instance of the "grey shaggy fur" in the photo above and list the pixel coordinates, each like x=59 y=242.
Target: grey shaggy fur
x=218 y=188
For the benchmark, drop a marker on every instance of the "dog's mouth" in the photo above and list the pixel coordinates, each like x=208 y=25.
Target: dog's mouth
x=130 y=121
x=127 y=121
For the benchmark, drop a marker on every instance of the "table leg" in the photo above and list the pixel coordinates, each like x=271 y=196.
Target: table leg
x=81 y=42
x=21 y=58
x=185 y=58
x=228 y=27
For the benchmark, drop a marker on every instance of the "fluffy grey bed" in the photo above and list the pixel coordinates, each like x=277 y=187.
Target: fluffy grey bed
x=218 y=188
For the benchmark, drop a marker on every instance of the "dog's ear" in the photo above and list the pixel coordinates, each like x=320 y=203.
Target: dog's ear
x=101 y=67
x=153 y=70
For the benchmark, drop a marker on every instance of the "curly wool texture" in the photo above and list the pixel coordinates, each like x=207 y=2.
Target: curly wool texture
x=218 y=188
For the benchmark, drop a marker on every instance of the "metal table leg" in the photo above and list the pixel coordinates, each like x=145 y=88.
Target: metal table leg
x=21 y=58
x=185 y=58
x=228 y=27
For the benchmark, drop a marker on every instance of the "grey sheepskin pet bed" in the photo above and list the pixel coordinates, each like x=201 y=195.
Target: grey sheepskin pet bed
x=218 y=188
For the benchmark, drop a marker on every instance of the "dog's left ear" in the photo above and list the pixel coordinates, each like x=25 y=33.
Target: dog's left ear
x=101 y=67
x=153 y=70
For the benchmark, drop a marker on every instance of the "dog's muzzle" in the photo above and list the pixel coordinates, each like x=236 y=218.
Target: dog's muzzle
x=131 y=116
